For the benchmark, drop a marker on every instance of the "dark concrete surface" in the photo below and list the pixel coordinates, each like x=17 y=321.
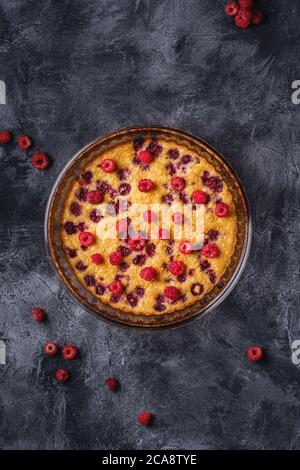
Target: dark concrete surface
x=75 y=69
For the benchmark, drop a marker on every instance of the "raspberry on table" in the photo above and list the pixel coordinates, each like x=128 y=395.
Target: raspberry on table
x=5 y=137
x=70 y=352
x=177 y=268
x=145 y=418
x=246 y=3
x=146 y=185
x=51 y=349
x=246 y=13
x=24 y=142
x=62 y=375
x=178 y=184
x=232 y=8
x=242 y=22
x=108 y=166
x=172 y=293
x=254 y=353
x=116 y=288
x=210 y=250
x=86 y=238
x=222 y=209
x=40 y=160
x=38 y=314
x=148 y=274
x=112 y=384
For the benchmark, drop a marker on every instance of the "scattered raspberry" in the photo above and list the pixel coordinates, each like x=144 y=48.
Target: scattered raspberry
x=171 y=292
x=140 y=291
x=137 y=244
x=199 y=197
x=132 y=299
x=148 y=274
x=246 y=13
x=254 y=353
x=86 y=238
x=124 y=189
x=5 y=137
x=24 y=142
x=38 y=314
x=222 y=209
x=186 y=159
x=82 y=194
x=149 y=216
x=197 y=289
x=112 y=383
x=75 y=209
x=51 y=349
x=257 y=17
x=69 y=352
x=173 y=154
x=154 y=147
x=108 y=166
x=145 y=418
x=178 y=184
x=72 y=253
x=213 y=235
x=178 y=218
x=212 y=182
x=181 y=278
x=171 y=169
x=80 y=266
x=144 y=156
x=40 y=160
x=115 y=258
x=125 y=251
x=185 y=247
x=242 y=22
x=89 y=280
x=116 y=288
x=97 y=258
x=100 y=288
x=146 y=185
x=231 y=8
x=62 y=375
x=210 y=250
x=168 y=199
x=246 y=3
x=150 y=249
x=177 y=268
x=94 y=197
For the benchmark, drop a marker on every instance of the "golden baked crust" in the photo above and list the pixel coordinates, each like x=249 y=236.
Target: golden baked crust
x=220 y=231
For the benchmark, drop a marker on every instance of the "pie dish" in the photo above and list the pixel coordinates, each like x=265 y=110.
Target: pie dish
x=117 y=219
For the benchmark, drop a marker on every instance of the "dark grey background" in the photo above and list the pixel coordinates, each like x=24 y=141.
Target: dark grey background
x=75 y=69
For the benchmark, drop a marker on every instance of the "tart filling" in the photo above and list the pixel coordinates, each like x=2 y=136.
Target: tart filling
x=125 y=223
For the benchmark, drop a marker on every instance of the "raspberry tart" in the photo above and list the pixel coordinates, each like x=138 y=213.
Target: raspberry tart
x=147 y=270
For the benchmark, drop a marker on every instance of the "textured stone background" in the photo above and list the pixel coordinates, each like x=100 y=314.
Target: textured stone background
x=75 y=69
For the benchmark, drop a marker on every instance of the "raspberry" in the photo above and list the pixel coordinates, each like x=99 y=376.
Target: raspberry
x=71 y=253
x=38 y=314
x=254 y=353
x=144 y=156
x=171 y=292
x=122 y=173
x=148 y=274
x=154 y=148
x=185 y=247
x=213 y=235
x=144 y=418
x=112 y=383
x=125 y=251
x=178 y=218
x=210 y=250
x=94 y=197
x=199 y=197
x=242 y=22
x=137 y=244
x=80 y=266
x=178 y=184
x=173 y=153
x=75 y=209
x=89 y=280
x=115 y=258
x=40 y=160
x=97 y=258
x=24 y=142
x=124 y=189
x=222 y=209
x=95 y=216
x=212 y=182
x=116 y=288
x=246 y=13
x=149 y=216
x=197 y=289
x=146 y=185
x=69 y=352
x=100 y=288
x=5 y=137
x=108 y=166
x=139 y=260
x=246 y=3
x=184 y=198
x=86 y=238
x=171 y=169
x=181 y=278
x=62 y=375
x=163 y=234
x=231 y=8
x=186 y=159
x=168 y=199
x=257 y=17
x=177 y=268
x=82 y=194
x=140 y=291
x=138 y=141
x=51 y=349
x=150 y=250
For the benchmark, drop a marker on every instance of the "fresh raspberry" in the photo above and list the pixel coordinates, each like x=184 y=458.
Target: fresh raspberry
x=150 y=250
x=222 y=209
x=144 y=156
x=146 y=185
x=148 y=274
x=231 y=8
x=212 y=182
x=178 y=184
x=149 y=216
x=116 y=288
x=199 y=197
x=177 y=268
x=113 y=384
x=86 y=238
x=137 y=244
x=197 y=289
x=254 y=353
x=100 y=288
x=163 y=234
x=51 y=349
x=97 y=258
x=171 y=292
x=246 y=3
x=115 y=258
x=185 y=247
x=24 y=142
x=246 y=13
x=257 y=17
x=144 y=418
x=76 y=209
x=173 y=153
x=242 y=22
x=210 y=250
x=69 y=352
x=213 y=235
x=178 y=218
x=5 y=137
x=38 y=314
x=62 y=375
x=94 y=197
x=40 y=160
x=108 y=166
